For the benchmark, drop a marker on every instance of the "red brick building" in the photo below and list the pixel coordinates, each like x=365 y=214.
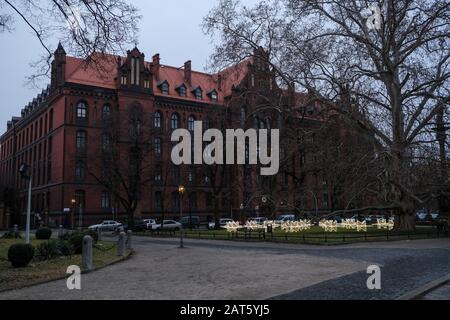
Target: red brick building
x=64 y=129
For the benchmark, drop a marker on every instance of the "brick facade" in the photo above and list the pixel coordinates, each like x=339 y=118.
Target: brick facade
x=64 y=126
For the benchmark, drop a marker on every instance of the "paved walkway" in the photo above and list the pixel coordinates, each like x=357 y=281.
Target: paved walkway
x=238 y=270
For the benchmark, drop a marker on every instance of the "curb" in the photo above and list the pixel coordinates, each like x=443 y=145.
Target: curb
x=421 y=291
x=128 y=256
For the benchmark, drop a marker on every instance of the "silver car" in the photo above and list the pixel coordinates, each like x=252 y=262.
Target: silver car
x=168 y=225
x=108 y=225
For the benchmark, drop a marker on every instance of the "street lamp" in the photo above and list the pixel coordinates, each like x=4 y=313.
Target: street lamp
x=25 y=173
x=73 y=203
x=181 y=191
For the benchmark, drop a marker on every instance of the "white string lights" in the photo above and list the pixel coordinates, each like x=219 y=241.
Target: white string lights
x=302 y=225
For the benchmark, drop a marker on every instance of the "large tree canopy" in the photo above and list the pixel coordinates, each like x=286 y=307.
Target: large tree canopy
x=393 y=80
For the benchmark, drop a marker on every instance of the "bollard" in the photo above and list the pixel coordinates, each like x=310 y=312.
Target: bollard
x=99 y=234
x=121 y=244
x=129 y=242
x=86 y=260
x=16 y=228
x=60 y=232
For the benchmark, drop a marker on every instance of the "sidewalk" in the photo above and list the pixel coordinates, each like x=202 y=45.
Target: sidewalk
x=441 y=293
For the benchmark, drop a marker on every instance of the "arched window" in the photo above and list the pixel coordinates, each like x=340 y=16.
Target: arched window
x=158 y=146
x=256 y=122
x=191 y=122
x=175 y=121
x=79 y=171
x=158 y=200
x=158 y=174
x=262 y=124
x=105 y=200
x=106 y=142
x=243 y=115
x=106 y=112
x=268 y=123
x=158 y=119
x=81 y=111
x=81 y=141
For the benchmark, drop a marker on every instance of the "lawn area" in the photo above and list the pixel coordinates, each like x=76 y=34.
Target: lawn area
x=39 y=271
x=315 y=235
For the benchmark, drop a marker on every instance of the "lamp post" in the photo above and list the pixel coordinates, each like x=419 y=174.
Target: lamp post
x=25 y=173
x=80 y=216
x=181 y=191
x=73 y=203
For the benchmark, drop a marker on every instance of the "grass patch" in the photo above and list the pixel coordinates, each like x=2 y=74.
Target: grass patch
x=41 y=271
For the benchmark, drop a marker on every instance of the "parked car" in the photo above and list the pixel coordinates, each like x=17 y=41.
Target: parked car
x=149 y=223
x=139 y=225
x=434 y=215
x=190 y=221
x=167 y=225
x=258 y=220
x=222 y=223
x=421 y=215
x=285 y=218
x=108 y=225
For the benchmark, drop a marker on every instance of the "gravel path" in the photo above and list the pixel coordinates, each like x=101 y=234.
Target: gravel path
x=238 y=270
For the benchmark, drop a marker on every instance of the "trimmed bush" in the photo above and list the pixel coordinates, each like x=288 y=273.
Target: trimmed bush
x=65 y=248
x=44 y=234
x=20 y=255
x=48 y=250
x=76 y=241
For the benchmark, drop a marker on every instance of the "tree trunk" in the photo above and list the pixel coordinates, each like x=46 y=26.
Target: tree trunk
x=130 y=218
x=406 y=221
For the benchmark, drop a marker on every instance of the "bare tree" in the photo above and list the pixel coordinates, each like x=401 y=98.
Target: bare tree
x=125 y=169
x=395 y=78
x=84 y=27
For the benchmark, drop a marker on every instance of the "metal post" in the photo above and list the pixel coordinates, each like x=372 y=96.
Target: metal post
x=181 y=217
x=27 y=232
x=80 y=217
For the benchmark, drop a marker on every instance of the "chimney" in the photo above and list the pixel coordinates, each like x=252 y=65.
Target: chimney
x=156 y=66
x=188 y=72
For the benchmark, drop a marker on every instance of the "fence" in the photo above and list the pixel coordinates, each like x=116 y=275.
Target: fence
x=309 y=238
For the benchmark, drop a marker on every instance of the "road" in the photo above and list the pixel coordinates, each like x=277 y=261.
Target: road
x=208 y=269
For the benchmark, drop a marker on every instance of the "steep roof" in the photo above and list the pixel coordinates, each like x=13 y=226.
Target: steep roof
x=103 y=73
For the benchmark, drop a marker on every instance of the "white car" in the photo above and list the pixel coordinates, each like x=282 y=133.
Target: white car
x=222 y=223
x=150 y=223
x=108 y=225
x=168 y=225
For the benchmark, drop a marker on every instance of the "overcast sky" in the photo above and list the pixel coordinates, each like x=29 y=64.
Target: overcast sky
x=169 y=27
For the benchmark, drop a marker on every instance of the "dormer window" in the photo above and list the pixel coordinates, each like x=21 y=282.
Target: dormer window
x=146 y=84
x=181 y=90
x=198 y=93
x=164 y=87
x=123 y=80
x=213 y=95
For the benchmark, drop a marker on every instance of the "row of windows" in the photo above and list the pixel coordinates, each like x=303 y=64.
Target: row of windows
x=28 y=135
x=182 y=91
x=174 y=121
x=82 y=111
